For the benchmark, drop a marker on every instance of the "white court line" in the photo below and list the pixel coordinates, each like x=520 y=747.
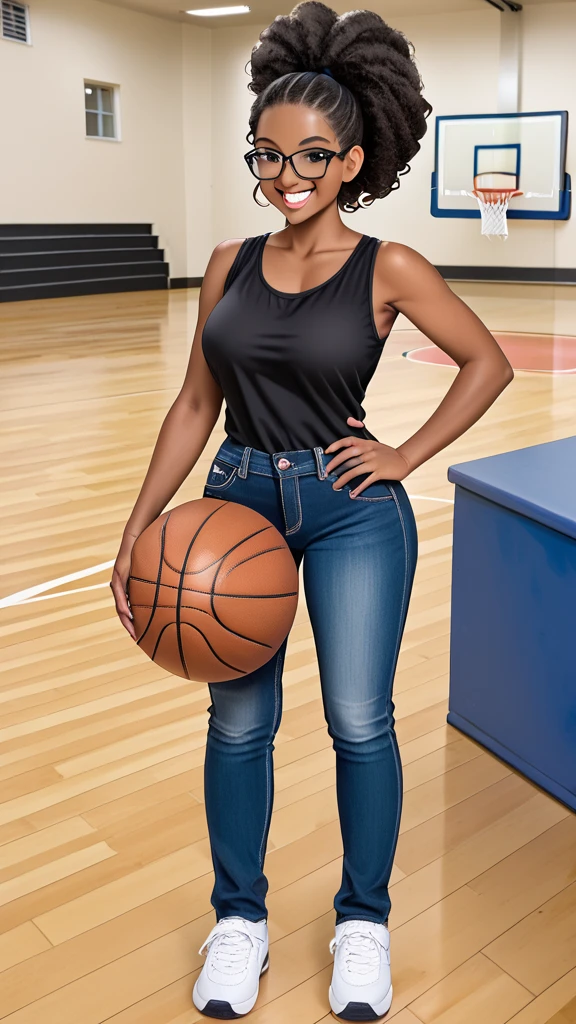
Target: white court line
x=22 y=595
x=31 y=594
x=424 y=497
x=62 y=593
x=521 y=369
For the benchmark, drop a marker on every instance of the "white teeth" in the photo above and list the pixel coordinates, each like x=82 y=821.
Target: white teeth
x=296 y=197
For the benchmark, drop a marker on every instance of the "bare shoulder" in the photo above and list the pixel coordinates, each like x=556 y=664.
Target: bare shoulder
x=221 y=259
x=398 y=258
x=224 y=254
x=400 y=269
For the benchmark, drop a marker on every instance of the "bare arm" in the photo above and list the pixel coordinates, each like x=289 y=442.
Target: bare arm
x=417 y=290
x=410 y=284
x=184 y=432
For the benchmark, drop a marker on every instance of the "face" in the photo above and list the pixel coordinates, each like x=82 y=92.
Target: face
x=288 y=128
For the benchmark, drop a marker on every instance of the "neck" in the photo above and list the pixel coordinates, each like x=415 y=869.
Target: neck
x=324 y=230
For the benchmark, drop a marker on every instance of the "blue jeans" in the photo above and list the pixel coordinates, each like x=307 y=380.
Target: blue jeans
x=359 y=561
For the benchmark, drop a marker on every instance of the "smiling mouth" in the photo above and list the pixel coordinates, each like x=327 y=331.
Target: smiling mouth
x=295 y=200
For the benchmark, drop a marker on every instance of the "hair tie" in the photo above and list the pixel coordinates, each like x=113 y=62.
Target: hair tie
x=326 y=71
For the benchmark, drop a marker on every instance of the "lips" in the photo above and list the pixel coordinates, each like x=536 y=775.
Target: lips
x=297 y=199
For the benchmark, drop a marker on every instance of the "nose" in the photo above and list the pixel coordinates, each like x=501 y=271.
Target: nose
x=288 y=179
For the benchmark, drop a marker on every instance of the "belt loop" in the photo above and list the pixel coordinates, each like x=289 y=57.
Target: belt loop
x=243 y=471
x=320 y=467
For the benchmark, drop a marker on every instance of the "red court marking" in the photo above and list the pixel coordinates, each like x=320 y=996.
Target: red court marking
x=539 y=353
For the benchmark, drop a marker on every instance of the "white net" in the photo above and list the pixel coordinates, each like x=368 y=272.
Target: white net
x=493 y=208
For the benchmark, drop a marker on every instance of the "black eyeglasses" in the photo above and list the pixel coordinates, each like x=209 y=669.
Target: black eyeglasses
x=309 y=164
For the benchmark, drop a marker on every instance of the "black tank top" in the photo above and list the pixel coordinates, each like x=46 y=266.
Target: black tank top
x=294 y=365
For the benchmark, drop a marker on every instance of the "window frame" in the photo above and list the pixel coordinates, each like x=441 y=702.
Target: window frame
x=91 y=83
x=9 y=39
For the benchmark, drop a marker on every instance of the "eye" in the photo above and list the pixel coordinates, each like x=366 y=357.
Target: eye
x=315 y=156
x=267 y=155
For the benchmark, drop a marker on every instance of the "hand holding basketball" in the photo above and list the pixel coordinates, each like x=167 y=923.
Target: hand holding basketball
x=119 y=582
x=213 y=588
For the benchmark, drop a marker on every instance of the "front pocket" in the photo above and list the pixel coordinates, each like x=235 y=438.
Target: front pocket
x=377 y=491
x=221 y=475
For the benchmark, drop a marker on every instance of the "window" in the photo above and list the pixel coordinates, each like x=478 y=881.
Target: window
x=15 y=22
x=100 y=113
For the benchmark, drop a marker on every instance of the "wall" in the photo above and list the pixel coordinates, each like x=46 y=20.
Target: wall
x=549 y=83
x=49 y=171
x=185 y=103
x=197 y=120
x=458 y=57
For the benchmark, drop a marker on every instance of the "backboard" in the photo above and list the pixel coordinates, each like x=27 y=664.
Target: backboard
x=528 y=151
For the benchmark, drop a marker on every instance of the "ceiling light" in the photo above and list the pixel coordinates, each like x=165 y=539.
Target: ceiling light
x=212 y=11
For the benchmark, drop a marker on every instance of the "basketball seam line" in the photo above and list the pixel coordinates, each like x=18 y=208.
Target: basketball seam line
x=189 y=590
x=195 y=572
x=256 y=554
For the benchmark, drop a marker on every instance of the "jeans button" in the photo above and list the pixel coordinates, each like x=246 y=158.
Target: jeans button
x=283 y=464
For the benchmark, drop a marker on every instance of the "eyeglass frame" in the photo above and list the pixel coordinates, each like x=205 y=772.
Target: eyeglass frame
x=330 y=153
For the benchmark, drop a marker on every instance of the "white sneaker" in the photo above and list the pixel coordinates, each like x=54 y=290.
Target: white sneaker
x=236 y=956
x=361 y=987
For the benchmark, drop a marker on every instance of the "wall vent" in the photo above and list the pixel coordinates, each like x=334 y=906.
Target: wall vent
x=14 y=22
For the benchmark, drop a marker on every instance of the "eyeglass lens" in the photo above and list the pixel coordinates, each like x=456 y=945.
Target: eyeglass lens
x=309 y=163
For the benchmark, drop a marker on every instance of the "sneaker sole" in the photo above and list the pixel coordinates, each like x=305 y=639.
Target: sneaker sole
x=222 y=1010
x=360 y=1011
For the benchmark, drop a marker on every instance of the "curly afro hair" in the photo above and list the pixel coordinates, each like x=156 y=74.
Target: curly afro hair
x=374 y=98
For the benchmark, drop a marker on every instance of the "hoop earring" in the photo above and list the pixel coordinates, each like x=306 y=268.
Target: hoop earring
x=254 y=196
x=362 y=201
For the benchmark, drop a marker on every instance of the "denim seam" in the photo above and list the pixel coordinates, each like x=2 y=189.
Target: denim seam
x=268 y=814
x=223 y=486
x=243 y=473
x=320 y=467
x=297 y=490
x=385 y=497
x=307 y=470
x=397 y=763
x=349 y=488
x=402 y=617
x=401 y=517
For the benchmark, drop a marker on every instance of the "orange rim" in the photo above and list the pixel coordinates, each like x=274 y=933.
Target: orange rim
x=495 y=195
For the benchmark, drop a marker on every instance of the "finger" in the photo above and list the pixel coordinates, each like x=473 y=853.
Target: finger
x=121 y=598
x=365 y=483
x=128 y=625
x=354 y=423
x=341 y=441
x=350 y=455
x=348 y=476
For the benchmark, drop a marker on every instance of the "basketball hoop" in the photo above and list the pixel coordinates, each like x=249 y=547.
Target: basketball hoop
x=493 y=205
x=493 y=202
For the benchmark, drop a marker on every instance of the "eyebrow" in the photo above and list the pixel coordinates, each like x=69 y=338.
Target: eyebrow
x=313 y=138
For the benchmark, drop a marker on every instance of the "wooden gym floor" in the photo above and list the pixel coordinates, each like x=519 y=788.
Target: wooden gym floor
x=105 y=870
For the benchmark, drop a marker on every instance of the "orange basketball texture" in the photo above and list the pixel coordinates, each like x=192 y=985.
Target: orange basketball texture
x=213 y=588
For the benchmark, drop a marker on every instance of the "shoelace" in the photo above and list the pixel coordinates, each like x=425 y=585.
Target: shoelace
x=230 y=946
x=362 y=953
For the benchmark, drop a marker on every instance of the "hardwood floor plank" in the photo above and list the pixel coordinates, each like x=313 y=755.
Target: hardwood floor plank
x=102 y=753
x=554 y=1003
x=476 y=992
x=541 y=948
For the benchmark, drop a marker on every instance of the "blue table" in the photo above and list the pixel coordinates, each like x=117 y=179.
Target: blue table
x=513 y=631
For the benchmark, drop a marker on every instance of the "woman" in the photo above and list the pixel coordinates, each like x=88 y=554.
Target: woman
x=290 y=329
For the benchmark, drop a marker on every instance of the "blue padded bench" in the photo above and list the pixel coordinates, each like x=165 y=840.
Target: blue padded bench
x=513 y=631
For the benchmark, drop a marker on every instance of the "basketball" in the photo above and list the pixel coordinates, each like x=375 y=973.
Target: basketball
x=213 y=588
